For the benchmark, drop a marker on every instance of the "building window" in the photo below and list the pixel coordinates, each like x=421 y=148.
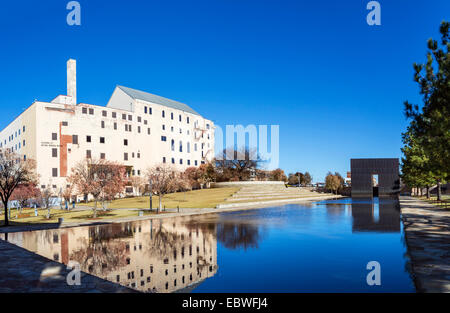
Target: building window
x=102 y=139
x=188 y=162
x=188 y=148
x=179 y=118
x=75 y=139
x=125 y=142
x=181 y=161
x=187 y=119
x=145 y=110
x=139 y=119
x=138 y=155
x=163 y=114
x=63 y=124
x=115 y=125
x=54 y=136
x=88 y=154
x=130 y=118
x=103 y=124
x=24 y=129
x=125 y=156
x=54 y=172
x=91 y=111
x=171 y=116
x=145 y=122
x=104 y=113
x=54 y=152
x=139 y=129
x=173 y=161
x=195 y=147
x=148 y=131
x=181 y=146
x=163 y=127
x=102 y=156
x=195 y=162
x=164 y=159
x=24 y=142
x=114 y=114
x=88 y=138
x=124 y=116
x=84 y=110
x=163 y=138
x=149 y=110
x=172 y=145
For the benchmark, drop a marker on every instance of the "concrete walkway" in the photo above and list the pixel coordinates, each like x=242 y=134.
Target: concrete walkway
x=25 y=271
x=427 y=234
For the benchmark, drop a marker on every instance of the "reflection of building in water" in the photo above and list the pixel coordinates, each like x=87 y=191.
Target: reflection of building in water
x=151 y=255
x=376 y=216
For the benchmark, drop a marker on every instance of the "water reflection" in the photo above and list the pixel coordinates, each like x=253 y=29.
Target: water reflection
x=374 y=215
x=150 y=256
x=234 y=231
x=320 y=247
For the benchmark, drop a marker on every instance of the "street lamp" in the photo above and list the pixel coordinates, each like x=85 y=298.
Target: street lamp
x=151 y=194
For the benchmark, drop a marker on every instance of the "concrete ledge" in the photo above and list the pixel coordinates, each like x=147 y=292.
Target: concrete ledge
x=27 y=272
x=276 y=202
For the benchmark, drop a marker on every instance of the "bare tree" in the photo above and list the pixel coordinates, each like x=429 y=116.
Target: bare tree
x=138 y=184
x=237 y=164
x=67 y=192
x=14 y=170
x=100 y=178
x=46 y=196
x=164 y=180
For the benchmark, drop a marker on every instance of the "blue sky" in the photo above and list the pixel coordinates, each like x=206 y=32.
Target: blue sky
x=335 y=85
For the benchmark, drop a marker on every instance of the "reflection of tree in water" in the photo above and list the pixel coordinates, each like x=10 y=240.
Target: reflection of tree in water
x=239 y=235
x=103 y=253
x=233 y=234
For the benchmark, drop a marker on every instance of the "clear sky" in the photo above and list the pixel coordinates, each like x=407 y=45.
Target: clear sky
x=335 y=85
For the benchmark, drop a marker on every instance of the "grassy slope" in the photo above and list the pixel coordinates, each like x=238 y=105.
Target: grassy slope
x=204 y=198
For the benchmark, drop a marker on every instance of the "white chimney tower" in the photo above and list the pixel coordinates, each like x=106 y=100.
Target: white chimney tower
x=72 y=80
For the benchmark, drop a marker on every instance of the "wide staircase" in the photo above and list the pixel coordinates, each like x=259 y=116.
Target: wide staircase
x=259 y=194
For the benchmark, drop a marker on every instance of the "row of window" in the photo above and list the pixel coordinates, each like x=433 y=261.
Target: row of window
x=147 y=110
x=188 y=162
x=11 y=137
x=17 y=146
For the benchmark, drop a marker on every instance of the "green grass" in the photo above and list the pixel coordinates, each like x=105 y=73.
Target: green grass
x=433 y=200
x=76 y=216
x=203 y=198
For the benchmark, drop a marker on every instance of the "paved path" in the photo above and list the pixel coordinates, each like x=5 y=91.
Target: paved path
x=427 y=233
x=24 y=271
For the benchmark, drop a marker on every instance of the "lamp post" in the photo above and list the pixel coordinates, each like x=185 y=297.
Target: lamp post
x=151 y=194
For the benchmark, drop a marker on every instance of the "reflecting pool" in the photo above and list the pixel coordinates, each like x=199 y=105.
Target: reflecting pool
x=314 y=247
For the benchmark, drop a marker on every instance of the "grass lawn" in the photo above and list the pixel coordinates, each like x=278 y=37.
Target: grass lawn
x=77 y=216
x=203 y=198
x=432 y=200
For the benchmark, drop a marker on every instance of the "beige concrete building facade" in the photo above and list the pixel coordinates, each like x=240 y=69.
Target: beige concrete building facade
x=136 y=128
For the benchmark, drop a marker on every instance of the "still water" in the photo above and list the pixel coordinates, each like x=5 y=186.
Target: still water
x=315 y=247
